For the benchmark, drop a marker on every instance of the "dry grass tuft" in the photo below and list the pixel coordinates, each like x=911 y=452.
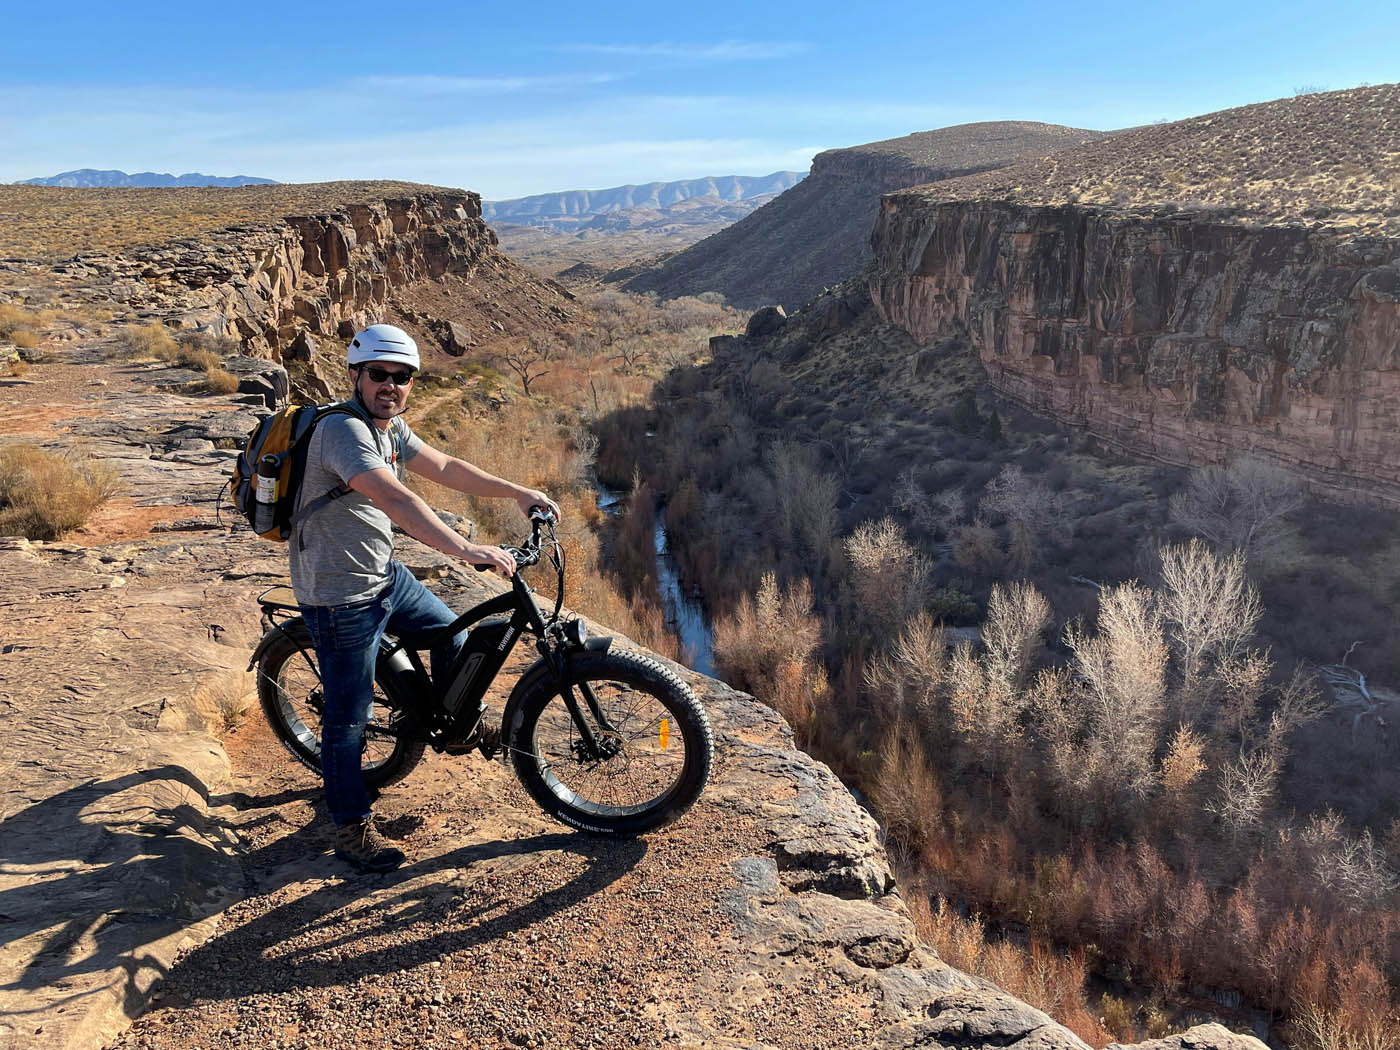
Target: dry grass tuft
x=44 y=495
x=199 y=360
x=220 y=381
x=150 y=342
x=224 y=701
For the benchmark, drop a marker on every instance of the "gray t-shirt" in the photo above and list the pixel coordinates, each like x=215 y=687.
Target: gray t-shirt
x=340 y=552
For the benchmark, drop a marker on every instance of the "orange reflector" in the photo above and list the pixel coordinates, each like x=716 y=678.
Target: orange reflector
x=665 y=732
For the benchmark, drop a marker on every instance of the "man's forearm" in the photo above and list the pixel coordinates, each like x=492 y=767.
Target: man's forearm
x=473 y=481
x=408 y=511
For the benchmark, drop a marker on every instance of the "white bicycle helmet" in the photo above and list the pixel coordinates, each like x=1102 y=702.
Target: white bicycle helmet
x=383 y=342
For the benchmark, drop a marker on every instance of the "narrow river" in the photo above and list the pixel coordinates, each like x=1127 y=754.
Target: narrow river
x=683 y=613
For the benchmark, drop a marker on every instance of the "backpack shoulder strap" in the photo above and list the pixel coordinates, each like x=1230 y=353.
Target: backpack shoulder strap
x=399 y=431
x=304 y=434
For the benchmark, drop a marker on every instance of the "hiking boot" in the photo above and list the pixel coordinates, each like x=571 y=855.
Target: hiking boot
x=364 y=847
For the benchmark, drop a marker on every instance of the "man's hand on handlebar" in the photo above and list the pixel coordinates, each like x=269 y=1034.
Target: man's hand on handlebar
x=494 y=559
x=531 y=498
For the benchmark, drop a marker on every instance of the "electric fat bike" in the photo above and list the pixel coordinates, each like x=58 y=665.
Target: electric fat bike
x=604 y=740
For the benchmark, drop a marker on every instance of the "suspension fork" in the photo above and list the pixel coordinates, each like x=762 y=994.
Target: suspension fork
x=555 y=658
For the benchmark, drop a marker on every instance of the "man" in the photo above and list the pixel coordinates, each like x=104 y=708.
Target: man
x=350 y=589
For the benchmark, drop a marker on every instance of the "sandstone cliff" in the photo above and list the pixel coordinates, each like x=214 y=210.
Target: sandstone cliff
x=817 y=233
x=1191 y=334
x=279 y=287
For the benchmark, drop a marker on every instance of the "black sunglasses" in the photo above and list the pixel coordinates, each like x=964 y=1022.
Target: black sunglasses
x=378 y=375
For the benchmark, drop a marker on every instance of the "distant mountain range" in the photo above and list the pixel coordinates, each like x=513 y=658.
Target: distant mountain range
x=571 y=209
x=93 y=177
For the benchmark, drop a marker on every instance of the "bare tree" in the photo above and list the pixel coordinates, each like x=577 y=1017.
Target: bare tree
x=1242 y=507
x=889 y=577
x=941 y=510
x=986 y=696
x=1211 y=611
x=527 y=361
x=1352 y=869
x=1030 y=508
x=1123 y=669
x=803 y=505
x=905 y=680
x=1246 y=792
x=1017 y=615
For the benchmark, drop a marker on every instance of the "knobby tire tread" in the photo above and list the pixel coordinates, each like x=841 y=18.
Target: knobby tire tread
x=650 y=676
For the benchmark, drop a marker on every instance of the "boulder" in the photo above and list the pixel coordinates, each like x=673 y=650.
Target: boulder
x=455 y=338
x=766 y=322
x=301 y=348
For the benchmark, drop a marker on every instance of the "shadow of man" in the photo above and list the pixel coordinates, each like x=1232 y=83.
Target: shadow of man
x=364 y=926
x=93 y=877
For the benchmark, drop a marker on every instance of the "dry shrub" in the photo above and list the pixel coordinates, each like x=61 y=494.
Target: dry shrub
x=1117 y=1015
x=24 y=338
x=199 y=360
x=220 y=381
x=16 y=367
x=906 y=792
x=150 y=342
x=18 y=322
x=1037 y=974
x=224 y=700
x=767 y=648
x=44 y=494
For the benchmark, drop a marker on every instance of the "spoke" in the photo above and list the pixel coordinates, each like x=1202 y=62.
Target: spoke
x=636 y=774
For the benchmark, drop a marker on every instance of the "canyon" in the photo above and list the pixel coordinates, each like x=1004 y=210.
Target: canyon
x=817 y=233
x=148 y=873
x=1193 y=332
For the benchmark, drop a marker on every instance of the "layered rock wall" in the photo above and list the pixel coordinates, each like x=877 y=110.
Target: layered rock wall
x=1177 y=335
x=264 y=284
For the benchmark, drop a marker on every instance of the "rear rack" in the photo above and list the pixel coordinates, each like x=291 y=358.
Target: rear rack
x=280 y=598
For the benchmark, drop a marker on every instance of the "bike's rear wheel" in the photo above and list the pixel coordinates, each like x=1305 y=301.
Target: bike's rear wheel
x=656 y=761
x=289 y=689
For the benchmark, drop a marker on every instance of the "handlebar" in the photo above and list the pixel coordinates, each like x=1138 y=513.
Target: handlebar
x=528 y=553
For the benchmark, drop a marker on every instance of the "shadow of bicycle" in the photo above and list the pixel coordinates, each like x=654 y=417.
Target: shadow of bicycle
x=367 y=926
x=91 y=882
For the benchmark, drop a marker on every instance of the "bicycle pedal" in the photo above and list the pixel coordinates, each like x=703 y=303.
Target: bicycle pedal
x=489 y=742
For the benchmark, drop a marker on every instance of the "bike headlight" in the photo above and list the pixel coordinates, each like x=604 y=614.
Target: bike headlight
x=575 y=632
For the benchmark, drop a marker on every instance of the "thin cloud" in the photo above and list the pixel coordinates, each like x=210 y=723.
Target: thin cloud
x=724 y=51
x=449 y=85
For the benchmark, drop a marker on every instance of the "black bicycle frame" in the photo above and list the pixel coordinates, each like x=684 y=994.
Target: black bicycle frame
x=475 y=668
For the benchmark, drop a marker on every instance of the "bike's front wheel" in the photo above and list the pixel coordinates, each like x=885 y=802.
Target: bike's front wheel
x=648 y=761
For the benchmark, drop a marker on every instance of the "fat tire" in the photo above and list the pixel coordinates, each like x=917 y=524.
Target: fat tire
x=640 y=674
x=293 y=649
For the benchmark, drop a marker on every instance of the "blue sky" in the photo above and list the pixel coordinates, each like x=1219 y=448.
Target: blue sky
x=512 y=98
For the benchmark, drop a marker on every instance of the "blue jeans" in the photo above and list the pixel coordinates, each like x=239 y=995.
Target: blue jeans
x=347 y=643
